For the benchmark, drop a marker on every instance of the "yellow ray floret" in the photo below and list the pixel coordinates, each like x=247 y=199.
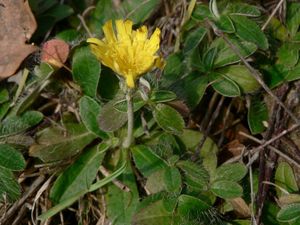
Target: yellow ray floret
x=130 y=53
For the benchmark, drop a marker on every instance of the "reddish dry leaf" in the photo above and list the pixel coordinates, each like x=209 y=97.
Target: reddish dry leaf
x=17 y=26
x=55 y=52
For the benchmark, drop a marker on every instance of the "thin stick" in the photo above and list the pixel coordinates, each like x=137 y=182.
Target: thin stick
x=214 y=117
x=224 y=124
x=84 y=25
x=272 y=14
x=275 y=138
x=289 y=159
x=38 y=195
x=277 y=186
x=118 y=183
x=256 y=75
x=209 y=111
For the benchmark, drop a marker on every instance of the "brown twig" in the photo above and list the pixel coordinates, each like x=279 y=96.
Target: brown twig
x=118 y=183
x=82 y=21
x=208 y=112
x=272 y=14
x=276 y=150
x=209 y=126
x=221 y=139
x=275 y=138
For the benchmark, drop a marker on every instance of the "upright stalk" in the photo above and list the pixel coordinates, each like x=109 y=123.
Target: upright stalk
x=129 y=139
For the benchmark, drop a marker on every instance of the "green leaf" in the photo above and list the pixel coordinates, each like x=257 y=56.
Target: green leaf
x=165 y=145
x=86 y=70
x=257 y=114
x=155 y=182
x=202 y=12
x=162 y=96
x=224 y=85
x=4 y=96
x=10 y=158
x=42 y=74
x=109 y=84
x=241 y=222
x=49 y=15
x=193 y=210
x=294 y=73
x=4 y=108
x=226 y=55
x=9 y=187
x=80 y=175
x=137 y=10
x=138 y=103
x=288 y=54
x=41 y=6
x=248 y=30
x=64 y=204
x=296 y=221
x=209 y=58
x=242 y=9
x=17 y=124
x=173 y=70
x=270 y=211
x=293 y=18
x=231 y=172
x=59 y=12
x=43 y=71
x=274 y=75
x=55 y=143
x=89 y=111
x=285 y=178
x=146 y=160
x=111 y=119
x=155 y=213
x=190 y=206
x=172 y=180
x=191 y=88
x=168 y=119
x=278 y=30
x=193 y=39
x=104 y=10
x=289 y=213
x=208 y=153
x=122 y=205
x=225 y=24
x=213 y=7
x=196 y=176
x=191 y=139
x=242 y=76
x=70 y=35
x=226 y=189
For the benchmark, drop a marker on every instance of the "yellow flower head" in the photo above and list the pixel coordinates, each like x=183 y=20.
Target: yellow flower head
x=130 y=53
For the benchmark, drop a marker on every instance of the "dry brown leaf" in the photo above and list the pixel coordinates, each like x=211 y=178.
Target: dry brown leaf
x=289 y=199
x=17 y=26
x=240 y=207
x=235 y=148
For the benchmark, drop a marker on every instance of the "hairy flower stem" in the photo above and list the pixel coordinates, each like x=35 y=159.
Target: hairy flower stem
x=129 y=139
